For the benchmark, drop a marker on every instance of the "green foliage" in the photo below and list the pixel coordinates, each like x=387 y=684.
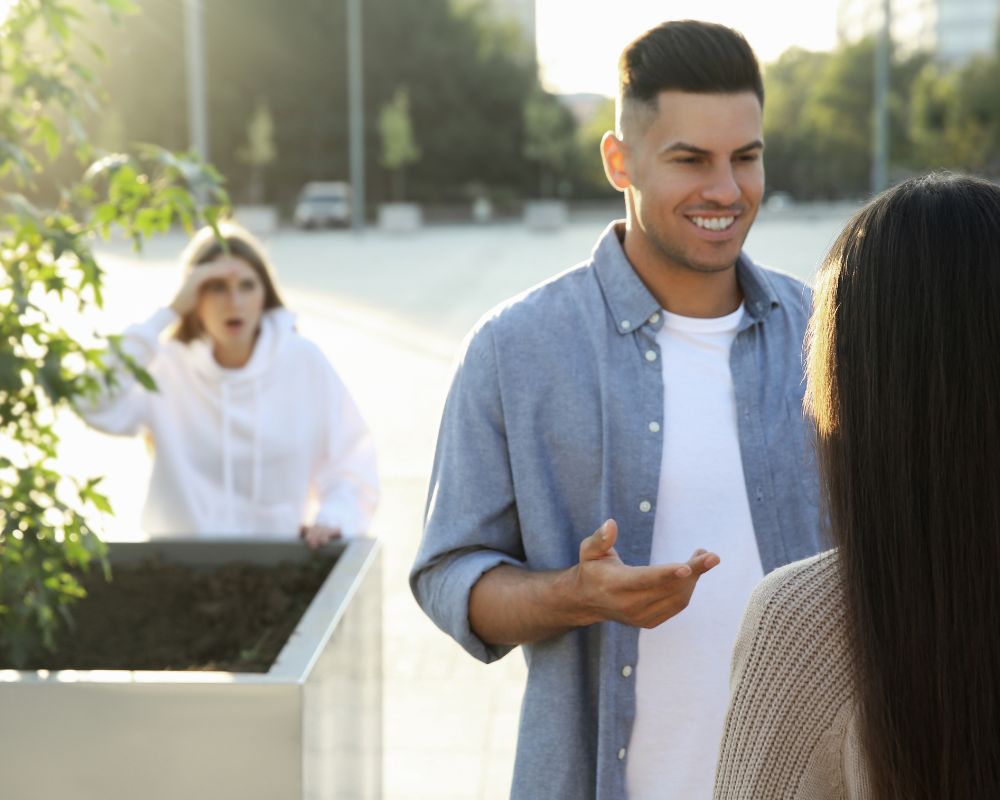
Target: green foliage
x=468 y=77
x=50 y=272
x=549 y=138
x=259 y=150
x=399 y=148
x=818 y=119
x=588 y=144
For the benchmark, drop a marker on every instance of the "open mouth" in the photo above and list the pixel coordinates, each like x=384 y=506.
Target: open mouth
x=234 y=325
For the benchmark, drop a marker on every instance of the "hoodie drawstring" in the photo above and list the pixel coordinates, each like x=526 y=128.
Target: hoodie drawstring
x=256 y=481
x=227 y=457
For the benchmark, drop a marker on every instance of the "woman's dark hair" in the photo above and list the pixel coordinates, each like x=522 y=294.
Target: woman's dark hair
x=904 y=386
x=233 y=240
x=688 y=56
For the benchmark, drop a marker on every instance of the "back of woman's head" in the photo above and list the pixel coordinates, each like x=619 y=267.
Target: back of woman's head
x=904 y=385
x=231 y=239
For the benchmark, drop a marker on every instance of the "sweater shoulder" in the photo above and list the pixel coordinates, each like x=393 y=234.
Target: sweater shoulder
x=793 y=641
x=793 y=678
x=797 y=600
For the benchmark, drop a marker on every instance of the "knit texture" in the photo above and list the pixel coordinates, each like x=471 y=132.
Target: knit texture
x=791 y=727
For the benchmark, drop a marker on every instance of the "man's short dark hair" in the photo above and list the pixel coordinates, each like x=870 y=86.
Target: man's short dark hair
x=688 y=56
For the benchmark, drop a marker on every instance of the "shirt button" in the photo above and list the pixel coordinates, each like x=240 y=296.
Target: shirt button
x=654 y=319
x=626 y=671
x=654 y=427
x=621 y=754
x=625 y=324
x=651 y=355
x=644 y=506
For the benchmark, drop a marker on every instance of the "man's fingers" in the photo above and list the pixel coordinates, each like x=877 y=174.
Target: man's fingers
x=702 y=561
x=600 y=542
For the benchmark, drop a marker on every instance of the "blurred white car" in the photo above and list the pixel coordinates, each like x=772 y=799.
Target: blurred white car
x=323 y=203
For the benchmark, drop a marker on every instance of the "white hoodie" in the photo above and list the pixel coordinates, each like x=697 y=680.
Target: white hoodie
x=238 y=451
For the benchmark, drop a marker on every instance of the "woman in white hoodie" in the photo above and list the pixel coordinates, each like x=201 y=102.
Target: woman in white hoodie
x=249 y=421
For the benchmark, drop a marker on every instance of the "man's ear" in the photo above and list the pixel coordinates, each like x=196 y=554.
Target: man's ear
x=613 y=156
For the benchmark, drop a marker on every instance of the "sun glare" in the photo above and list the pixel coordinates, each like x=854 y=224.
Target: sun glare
x=579 y=42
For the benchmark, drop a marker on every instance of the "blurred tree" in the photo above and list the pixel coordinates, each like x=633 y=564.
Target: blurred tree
x=49 y=272
x=932 y=118
x=818 y=120
x=399 y=148
x=590 y=173
x=790 y=151
x=549 y=139
x=976 y=120
x=259 y=150
x=837 y=118
x=468 y=77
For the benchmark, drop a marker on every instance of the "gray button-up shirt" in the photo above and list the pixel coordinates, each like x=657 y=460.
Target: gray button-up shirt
x=546 y=433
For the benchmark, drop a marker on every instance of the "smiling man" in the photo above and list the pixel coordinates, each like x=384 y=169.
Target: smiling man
x=616 y=433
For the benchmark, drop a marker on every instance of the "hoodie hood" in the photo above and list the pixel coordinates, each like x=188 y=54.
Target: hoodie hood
x=277 y=326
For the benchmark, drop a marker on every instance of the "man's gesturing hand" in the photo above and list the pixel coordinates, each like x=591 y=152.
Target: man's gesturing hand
x=642 y=596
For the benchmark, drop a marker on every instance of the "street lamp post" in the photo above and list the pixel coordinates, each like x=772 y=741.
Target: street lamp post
x=880 y=154
x=195 y=51
x=356 y=115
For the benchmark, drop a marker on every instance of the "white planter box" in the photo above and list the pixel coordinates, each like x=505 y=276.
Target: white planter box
x=545 y=215
x=309 y=729
x=400 y=217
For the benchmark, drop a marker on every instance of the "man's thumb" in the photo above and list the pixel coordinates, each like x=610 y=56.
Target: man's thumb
x=600 y=542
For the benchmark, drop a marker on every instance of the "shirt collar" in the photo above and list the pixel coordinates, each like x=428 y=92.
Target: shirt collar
x=627 y=297
x=630 y=302
x=759 y=296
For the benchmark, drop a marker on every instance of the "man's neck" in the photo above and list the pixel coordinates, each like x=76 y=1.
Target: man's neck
x=679 y=289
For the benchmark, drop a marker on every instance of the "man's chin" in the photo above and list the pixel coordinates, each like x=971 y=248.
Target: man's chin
x=711 y=267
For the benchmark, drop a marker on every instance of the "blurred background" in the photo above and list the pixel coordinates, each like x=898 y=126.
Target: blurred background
x=469 y=119
x=506 y=100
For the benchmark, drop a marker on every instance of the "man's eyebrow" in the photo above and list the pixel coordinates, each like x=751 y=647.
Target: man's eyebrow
x=684 y=147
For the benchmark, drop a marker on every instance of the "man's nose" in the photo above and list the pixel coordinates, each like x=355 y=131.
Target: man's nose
x=722 y=187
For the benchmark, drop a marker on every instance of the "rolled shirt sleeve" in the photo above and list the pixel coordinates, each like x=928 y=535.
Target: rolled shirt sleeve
x=471 y=524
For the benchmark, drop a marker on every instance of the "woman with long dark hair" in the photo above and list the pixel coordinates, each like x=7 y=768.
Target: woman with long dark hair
x=873 y=671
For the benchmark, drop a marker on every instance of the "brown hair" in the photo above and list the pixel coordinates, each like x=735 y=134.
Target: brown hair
x=904 y=385
x=687 y=56
x=233 y=240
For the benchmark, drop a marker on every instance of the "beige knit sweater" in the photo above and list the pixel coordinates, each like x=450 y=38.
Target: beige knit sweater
x=791 y=728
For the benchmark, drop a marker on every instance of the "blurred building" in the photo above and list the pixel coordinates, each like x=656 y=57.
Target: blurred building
x=954 y=30
x=520 y=12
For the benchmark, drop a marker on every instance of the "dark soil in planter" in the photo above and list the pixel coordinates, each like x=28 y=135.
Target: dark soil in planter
x=156 y=615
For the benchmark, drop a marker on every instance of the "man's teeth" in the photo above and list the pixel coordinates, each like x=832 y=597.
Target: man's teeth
x=713 y=223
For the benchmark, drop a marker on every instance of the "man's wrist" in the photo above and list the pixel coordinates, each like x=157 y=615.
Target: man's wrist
x=569 y=598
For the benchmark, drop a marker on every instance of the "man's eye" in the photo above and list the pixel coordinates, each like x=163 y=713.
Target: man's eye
x=248 y=285
x=215 y=286
x=750 y=157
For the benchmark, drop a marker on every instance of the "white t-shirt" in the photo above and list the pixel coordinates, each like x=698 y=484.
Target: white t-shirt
x=682 y=675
